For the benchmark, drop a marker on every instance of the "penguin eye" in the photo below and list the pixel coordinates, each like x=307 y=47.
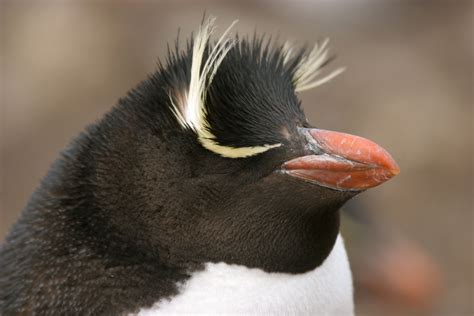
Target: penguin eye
x=191 y=111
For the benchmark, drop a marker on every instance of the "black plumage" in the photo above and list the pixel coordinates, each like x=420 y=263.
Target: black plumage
x=135 y=203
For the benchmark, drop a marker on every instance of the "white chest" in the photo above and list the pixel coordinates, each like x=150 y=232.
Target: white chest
x=230 y=289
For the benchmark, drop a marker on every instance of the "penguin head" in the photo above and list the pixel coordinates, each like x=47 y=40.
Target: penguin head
x=219 y=163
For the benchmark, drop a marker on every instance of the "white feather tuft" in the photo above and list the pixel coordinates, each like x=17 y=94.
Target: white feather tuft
x=191 y=111
x=194 y=114
x=309 y=67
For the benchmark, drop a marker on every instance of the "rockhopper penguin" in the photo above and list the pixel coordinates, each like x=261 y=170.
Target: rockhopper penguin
x=205 y=190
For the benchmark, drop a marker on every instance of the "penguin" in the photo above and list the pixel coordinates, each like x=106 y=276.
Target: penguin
x=205 y=190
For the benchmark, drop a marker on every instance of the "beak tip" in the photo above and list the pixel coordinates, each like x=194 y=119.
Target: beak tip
x=395 y=170
x=392 y=166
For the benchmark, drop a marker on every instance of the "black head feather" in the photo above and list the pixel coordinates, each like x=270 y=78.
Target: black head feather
x=252 y=99
x=136 y=202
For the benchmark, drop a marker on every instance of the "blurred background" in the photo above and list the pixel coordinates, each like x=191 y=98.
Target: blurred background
x=409 y=87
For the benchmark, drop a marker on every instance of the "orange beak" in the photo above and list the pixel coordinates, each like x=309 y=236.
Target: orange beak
x=343 y=162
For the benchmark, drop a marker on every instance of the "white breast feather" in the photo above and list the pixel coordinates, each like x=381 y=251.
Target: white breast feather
x=222 y=289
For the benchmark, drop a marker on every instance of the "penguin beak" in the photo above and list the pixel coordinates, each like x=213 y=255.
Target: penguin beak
x=342 y=161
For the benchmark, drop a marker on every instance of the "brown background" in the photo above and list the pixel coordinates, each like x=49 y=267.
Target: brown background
x=408 y=87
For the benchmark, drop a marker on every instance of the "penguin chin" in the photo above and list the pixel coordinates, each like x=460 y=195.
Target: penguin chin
x=320 y=195
x=290 y=226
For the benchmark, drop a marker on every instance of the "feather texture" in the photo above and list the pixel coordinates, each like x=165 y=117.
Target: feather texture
x=202 y=73
x=192 y=112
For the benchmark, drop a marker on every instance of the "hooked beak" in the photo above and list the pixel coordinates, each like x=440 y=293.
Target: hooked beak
x=342 y=161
